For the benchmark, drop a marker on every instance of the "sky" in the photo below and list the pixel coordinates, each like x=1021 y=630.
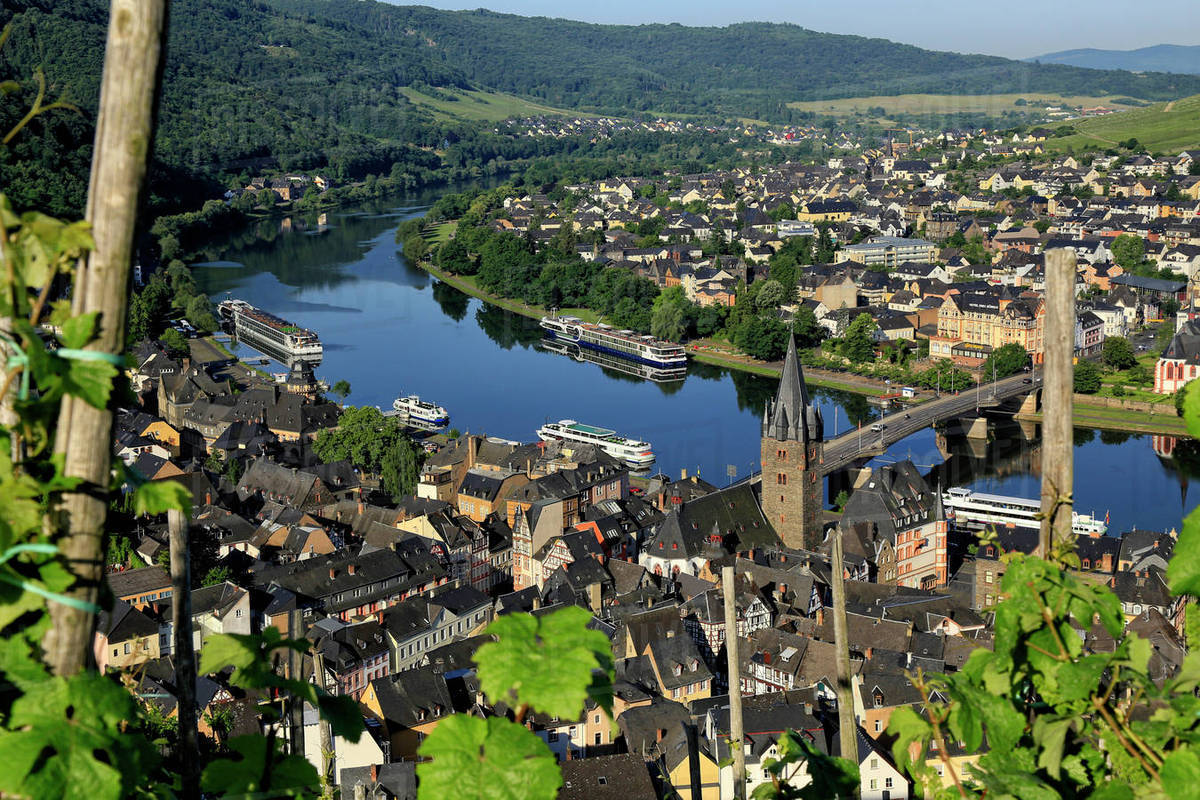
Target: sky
x=1012 y=28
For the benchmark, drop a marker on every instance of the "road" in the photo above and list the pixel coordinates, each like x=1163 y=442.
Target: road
x=844 y=449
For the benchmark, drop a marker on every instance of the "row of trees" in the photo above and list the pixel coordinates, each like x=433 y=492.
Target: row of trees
x=168 y=295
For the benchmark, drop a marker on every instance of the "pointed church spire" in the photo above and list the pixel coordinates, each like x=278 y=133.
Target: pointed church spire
x=793 y=418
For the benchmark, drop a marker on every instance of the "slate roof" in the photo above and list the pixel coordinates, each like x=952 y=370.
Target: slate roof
x=138 y=581
x=124 y=622
x=619 y=777
x=413 y=697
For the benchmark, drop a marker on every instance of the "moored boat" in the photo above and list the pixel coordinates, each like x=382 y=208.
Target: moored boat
x=633 y=452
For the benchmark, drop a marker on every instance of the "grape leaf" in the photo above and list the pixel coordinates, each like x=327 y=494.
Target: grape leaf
x=1183 y=570
x=1181 y=774
x=62 y=737
x=246 y=775
x=155 y=497
x=493 y=759
x=77 y=331
x=545 y=662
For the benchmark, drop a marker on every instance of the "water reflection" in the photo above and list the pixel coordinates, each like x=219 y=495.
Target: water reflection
x=386 y=324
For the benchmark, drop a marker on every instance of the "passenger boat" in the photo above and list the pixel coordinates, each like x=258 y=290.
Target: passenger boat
x=625 y=344
x=413 y=409
x=272 y=335
x=608 y=361
x=978 y=510
x=636 y=454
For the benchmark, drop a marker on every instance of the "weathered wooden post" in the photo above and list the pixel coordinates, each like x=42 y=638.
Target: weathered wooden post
x=737 y=747
x=847 y=733
x=124 y=136
x=1058 y=455
x=185 y=654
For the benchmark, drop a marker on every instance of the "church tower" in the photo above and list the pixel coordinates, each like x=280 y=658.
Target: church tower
x=793 y=448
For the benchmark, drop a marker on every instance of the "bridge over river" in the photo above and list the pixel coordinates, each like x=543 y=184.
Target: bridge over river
x=864 y=443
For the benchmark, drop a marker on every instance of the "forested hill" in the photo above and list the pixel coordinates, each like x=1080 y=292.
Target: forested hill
x=747 y=69
x=299 y=84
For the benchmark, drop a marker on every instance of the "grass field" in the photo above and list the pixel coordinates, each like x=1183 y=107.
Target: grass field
x=477 y=106
x=991 y=104
x=1162 y=127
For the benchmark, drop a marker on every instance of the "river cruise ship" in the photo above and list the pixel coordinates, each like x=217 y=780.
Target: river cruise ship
x=414 y=409
x=617 y=363
x=625 y=344
x=977 y=510
x=270 y=334
x=634 y=453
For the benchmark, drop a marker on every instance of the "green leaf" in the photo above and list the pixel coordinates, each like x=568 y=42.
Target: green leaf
x=345 y=717
x=908 y=727
x=1113 y=790
x=66 y=738
x=1191 y=408
x=1181 y=775
x=77 y=331
x=545 y=662
x=1183 y=570
x=247 y=774
x=1051 y=735
x=1077 y=679
x=493 y=759
x=156 y=497
x=90 y=381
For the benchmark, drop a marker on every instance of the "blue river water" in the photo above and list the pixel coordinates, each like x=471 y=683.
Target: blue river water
x=389 y=328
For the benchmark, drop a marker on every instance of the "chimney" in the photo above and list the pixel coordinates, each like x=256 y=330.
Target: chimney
x=870 y=653
x=374 y=772
x=350 y=568
x=661 y=732
x=472 y=450
x=683 y=474
x=360 y=506
x=332 y=573
x=208 y=498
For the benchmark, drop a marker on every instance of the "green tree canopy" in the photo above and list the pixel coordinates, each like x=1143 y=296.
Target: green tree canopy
x=341 y=389
x=1007 y=359
x=369 y=440
x=770 y=295
x=1118 y=353
x=1128 y=250
x=857 y=345
x=175 y=342
x=1087 y=377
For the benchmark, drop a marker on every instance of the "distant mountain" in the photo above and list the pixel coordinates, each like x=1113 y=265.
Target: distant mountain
x=1177 y=58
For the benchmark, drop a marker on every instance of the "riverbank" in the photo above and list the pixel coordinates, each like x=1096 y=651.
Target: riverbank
x=856 y=384
x=1088 y=415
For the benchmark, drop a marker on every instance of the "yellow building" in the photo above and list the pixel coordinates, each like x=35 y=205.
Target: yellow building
x=983 y=320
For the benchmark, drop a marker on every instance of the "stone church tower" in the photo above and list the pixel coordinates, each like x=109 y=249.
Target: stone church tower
x=793 y=448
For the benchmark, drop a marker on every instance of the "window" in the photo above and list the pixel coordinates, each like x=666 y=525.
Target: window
x=237 y=613
x=127 y=648
x=987 y=576
x=781 y=479
x=878 y=726
x=874 y=783
x=597 y=741
x=874 y=764
x=887 y=783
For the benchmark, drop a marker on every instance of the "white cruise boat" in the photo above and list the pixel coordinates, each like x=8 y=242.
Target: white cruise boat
x=625 y=344
x=414 y=409
x=633 y=452
x=972 y=509
x=268 y=333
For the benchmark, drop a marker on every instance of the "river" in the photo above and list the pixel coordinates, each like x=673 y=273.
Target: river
x=389 y=328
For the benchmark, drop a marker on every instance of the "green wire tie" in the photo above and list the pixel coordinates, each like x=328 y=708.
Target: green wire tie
x=19 y=359
x=29 y=586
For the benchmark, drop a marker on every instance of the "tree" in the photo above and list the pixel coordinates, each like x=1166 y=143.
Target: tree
x=667 y=322
x=1087 y=377
x=764 y=338
x=199 y=313
x=1128 y=250
x=215 y=575
x=399 y=470
x=1008 y=359
x=770 y=295
x=1118 y=353
x=858 y=345
x=340 y=390
x=175 y=342
x=806 y=329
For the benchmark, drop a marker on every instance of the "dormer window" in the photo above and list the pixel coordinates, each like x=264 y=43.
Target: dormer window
x=677 y=670
x=693 y=665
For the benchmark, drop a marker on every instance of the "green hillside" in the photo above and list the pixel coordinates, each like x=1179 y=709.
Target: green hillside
x=1166 y=127
x=478 y=106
